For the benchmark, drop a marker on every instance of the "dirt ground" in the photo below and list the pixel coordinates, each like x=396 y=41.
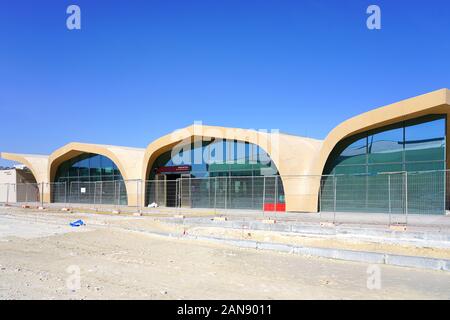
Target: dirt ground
x=41 y=253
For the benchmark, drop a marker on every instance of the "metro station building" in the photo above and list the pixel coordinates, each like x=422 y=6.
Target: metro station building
x=406 y=136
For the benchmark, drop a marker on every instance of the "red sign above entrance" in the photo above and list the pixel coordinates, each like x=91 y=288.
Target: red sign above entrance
x=173 y=169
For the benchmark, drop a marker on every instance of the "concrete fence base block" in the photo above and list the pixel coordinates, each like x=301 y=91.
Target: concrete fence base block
x=137 y=214
x=220 y=219
x=269 y=221
x=116 y=211
x=24 y=206
x=397 y=227
x=179 y=216
x=66 y=210
x=41 y=208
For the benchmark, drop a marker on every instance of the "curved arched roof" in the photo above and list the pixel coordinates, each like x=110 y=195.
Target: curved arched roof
x=128 y=160
x=297 y=152
x=436 y=102
x=36 y=163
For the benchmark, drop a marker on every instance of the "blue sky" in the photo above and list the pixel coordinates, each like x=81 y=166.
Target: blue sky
x=140 y=69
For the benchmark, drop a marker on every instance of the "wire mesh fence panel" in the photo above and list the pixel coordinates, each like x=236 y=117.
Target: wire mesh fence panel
x=220 y=192
x=27 y=192
x=270 y=196
x=361 y=193
x=223 y=192
x=397 y=198
x=4 y=193
x=185 y=192
x=245 y=193
x=201 y=192
x=58 y=191
x=93 y=192
x=394 y=194
x=20 y=193
x=327 y=194
x=162 y=193
x=426 y=192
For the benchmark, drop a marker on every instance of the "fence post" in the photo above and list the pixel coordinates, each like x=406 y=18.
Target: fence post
x=190 y=192
x=7 y=193
x=215 y=195
x=42 y=194
x=118 y=195
x=389 y=197
x=320 y=198
x=253 y=191
x=276 y=195
x=264 y=195
x=406 y=197
x=445 y=191
x=226 y=192
x=334 y=198
x=95 y=191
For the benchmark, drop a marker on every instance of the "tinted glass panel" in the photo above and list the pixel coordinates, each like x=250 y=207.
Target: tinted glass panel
x=386 y=146
x=219 y=158
x=414 y=146
x=425 y=141
x=355 y=153
x=378 y=168
x=89 y=178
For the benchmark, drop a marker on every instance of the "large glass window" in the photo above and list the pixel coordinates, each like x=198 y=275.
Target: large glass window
x=89 y=178
x=243 y=172
x=217 y=158
x=413 y=146
x=352 y=152
x=425 y=141
x=385 y=146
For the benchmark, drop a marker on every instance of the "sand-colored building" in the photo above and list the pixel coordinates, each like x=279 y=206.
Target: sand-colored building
x=406 y=136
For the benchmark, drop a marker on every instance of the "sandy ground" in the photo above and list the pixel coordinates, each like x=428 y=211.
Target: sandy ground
x=39 y=253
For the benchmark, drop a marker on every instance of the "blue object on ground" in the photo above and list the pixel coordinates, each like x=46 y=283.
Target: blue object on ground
x=77 y=223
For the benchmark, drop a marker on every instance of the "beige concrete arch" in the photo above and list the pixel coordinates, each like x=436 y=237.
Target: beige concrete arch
x=36 y=163
x=436 y=102
x=292 y=155
x=128 y=161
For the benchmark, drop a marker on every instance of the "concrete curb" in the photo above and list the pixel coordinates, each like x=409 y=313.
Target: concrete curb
x=330 y=253
x=305 y=229
x=339 y=254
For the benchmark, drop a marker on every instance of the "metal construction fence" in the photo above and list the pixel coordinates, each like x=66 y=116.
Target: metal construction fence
x=396 y=193
x=232 y=192
x=124 y=193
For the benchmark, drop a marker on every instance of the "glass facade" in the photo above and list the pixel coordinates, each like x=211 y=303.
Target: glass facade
x=239 y=166
x=409 y=146
x=90 y=178
x=218 y=158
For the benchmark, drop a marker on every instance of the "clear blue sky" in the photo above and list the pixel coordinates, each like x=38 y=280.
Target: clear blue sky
x=140 y=69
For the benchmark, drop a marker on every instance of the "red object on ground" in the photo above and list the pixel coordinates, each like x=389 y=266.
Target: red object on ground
x=271 y=207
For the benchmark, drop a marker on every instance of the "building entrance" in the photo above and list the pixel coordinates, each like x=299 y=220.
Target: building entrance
x=168 y=186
